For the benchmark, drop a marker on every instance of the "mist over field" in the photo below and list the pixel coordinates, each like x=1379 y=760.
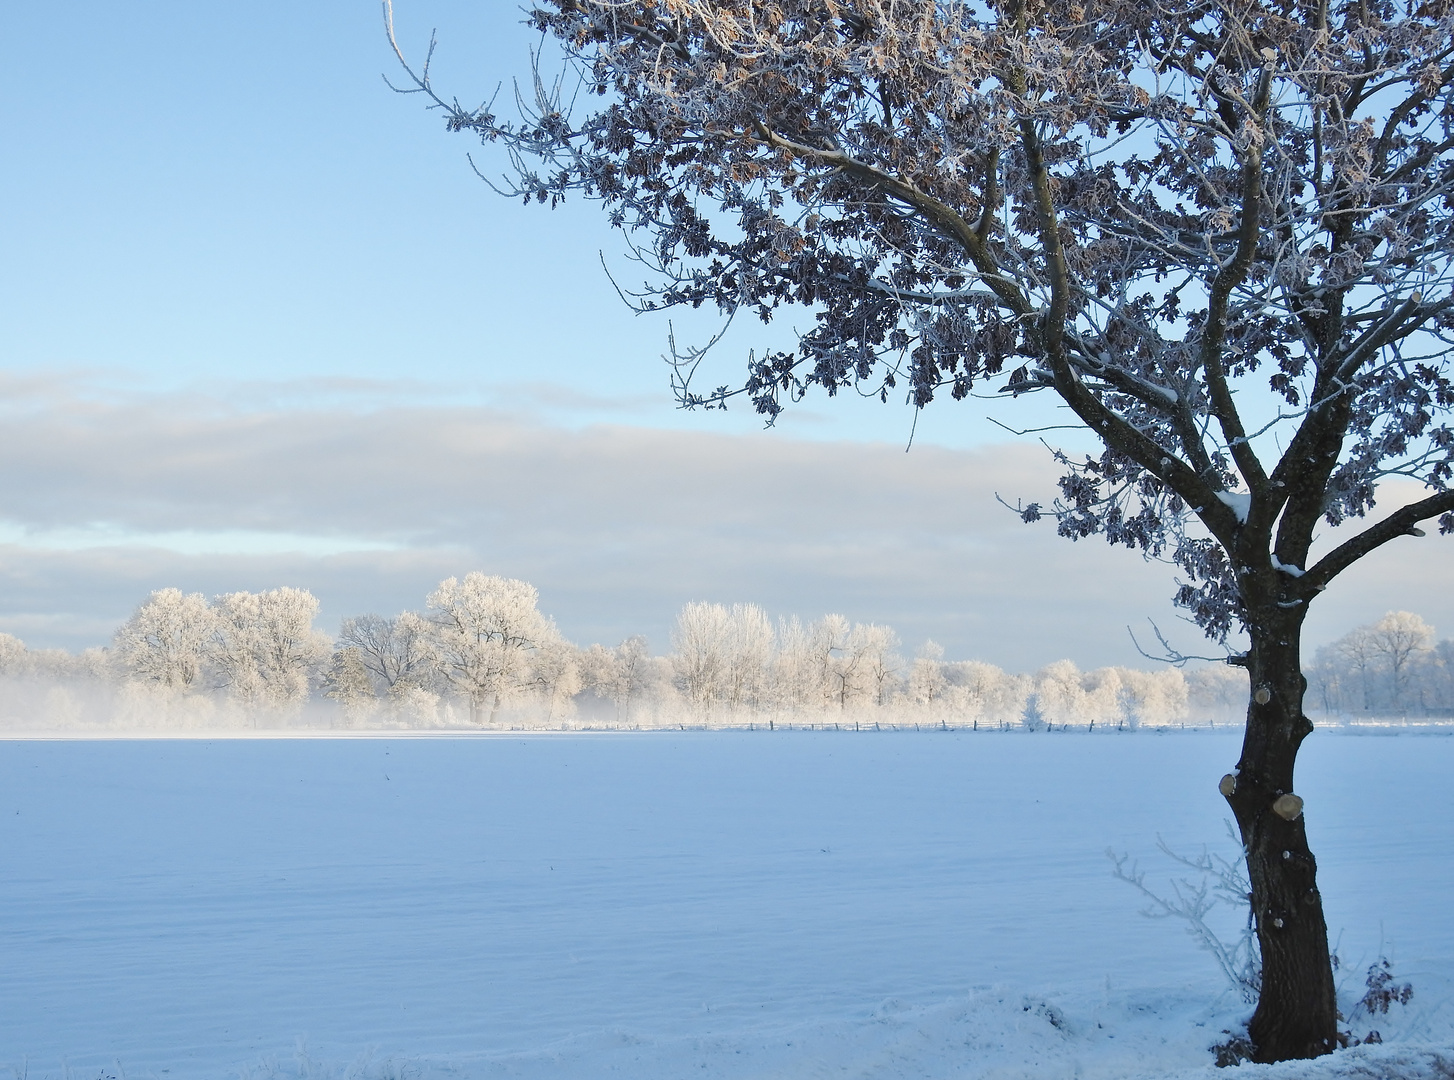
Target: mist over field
x=481 y=655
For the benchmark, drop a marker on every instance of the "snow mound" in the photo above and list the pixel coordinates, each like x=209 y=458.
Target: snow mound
x=993 y=1035
x=1240 y=503
x=1358 y=1063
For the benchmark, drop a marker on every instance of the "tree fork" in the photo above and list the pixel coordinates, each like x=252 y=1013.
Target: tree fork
x=1297 y=1010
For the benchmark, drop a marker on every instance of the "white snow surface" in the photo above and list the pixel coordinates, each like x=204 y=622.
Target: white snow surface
x=664 y=905
x=1240 y=503
x=1287 y=568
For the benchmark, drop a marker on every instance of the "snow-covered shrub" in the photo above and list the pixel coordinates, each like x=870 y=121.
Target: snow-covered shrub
x=1217 y=881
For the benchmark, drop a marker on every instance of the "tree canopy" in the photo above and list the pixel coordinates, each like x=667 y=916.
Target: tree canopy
x=1217 y=230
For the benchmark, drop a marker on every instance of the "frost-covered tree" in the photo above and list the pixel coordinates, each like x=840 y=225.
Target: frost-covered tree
x=1437 y=682
x=165 y=641
x=1059 y=696
x=233 y=652
x=926 y=677
x=14 y=656
x=555 y=677
x=1325 y=682
x=1355 y=652
x=291 y=652
x=1152 y=697
x=264 y=650
x=396 y=652
x=1399 y=639
x=484 y=630
x=985 y=693
x=721 y=655
x=876 y=649
x=750 y=646
x=1110 y=696
x=797 y=673
x=1067 y=696
x=1389 y=668
x=1220 y=232
x=731 y=657
x=845 y=679
x=89 y=664
x=1216 y=692
x=833 y=665
x=349 y=684
x=623 y=675
x=699 y=653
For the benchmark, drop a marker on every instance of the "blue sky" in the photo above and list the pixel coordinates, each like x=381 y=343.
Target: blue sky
x=260 y=324
x=224 y=193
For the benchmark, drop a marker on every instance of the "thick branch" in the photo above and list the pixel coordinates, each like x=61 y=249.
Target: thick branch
x=1400 y=112
x=1105 y=422
x=1232 y=274
x=1053 y=324
x=1400 y=523
x=1406 y=317
x=1301 y=477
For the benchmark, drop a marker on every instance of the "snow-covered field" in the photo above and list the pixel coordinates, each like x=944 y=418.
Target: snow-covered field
x=664 y=905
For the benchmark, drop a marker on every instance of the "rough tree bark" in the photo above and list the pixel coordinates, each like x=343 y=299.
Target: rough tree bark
x=1297 y=1011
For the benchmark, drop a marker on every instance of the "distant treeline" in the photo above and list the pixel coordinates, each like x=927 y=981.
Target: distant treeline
x=1391 y=668
x=481 y=654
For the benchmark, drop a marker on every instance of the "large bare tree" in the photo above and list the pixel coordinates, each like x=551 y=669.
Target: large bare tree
x=1219 y=231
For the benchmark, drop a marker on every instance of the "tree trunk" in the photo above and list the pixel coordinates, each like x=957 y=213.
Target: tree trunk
x=1297 y=1012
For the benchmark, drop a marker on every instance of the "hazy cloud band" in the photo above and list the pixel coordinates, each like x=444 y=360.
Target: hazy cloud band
x=106 y=499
